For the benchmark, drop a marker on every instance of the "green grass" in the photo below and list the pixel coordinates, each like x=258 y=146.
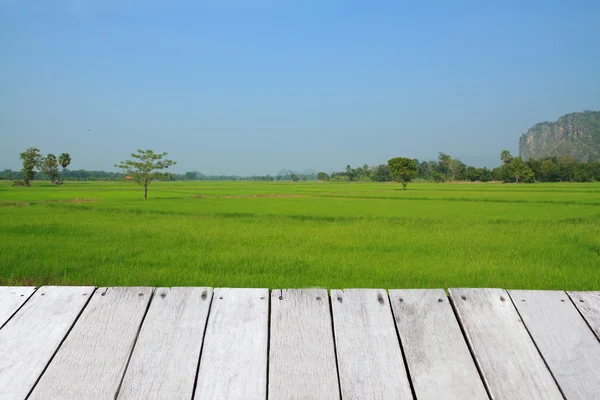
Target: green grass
x=283 y=234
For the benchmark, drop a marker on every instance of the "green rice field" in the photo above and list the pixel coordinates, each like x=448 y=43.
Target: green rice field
x=303 y=234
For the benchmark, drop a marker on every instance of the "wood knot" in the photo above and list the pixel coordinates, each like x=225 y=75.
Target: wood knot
x=440 y=301
x=379 y=298
x=318 y=298
x=502 y=298
x=280 y=297
x=163 y=295
x=463 y=297
x=400 y=300
x=204 y=295
x=140 y=294
x=340 y=299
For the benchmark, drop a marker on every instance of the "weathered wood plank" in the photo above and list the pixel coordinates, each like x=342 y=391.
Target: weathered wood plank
x=510 y=364
x=233 y=364
x=165 y=359
x=588 y=304
x=567 y=344
x=11 y=298
x=30 y=338
x=368 y=352
x=91 y=361
x=302 y=361
x=437 y=355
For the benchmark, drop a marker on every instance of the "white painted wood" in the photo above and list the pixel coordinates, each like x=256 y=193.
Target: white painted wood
x=91 y=361
x=165 y=359
x=302 y=361
x=368 y=351
x=233 y=364
x=11 y=298
x=567 y=344
x=30 y=338
x=511 y=365
x=438 y=358
x=588 y=304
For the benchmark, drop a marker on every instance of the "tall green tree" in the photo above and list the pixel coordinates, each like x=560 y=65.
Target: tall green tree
x=31 y=159
x=505 y=156
x=64 y=160
x=403 y=170
x=145 y=167
x=294 y=177
x=322 y=176
x=49 y=167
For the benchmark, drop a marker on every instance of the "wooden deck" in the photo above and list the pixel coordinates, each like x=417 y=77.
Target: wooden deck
x=200 y=343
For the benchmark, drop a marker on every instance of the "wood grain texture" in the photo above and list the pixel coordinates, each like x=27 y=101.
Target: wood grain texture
x=438 y=358
x=567 y=344
x=510 y=364
x=91 y=361
x=165 y=359
x=302 y=362
x=368 y=352
x=11 y=298
x=588 y=304
x=233 y=364
x=30 y=338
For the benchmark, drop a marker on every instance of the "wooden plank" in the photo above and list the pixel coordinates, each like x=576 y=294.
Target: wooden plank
x=11 y=298
x=165 y=359
x=233 y=364
x=302 y=362
x=368 y=352
x=510 y=364
x=588 y=304
x=30 y=338
x=92 y=359
x=567 y=344
x=437 y=355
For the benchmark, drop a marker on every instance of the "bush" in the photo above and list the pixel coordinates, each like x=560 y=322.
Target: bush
x=19 y=183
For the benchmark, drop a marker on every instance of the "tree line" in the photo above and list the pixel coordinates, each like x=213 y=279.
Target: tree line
x=449 y=169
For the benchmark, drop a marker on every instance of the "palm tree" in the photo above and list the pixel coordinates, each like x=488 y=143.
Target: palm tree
x=64 y=160
x=505 y=156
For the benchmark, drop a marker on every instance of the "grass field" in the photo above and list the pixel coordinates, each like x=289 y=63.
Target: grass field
x=283 y=234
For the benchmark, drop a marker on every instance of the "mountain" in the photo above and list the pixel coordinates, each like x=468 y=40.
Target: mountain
x=576 y=135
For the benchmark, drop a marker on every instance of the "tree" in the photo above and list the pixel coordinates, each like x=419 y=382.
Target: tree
x=505 y=156
x=190 y=176
x=278 y=178
x=50 y=168
x=64 y=160
x=31 y=159
x=520 y=171
x=322 y=176
x=403 y=170
x=145 y=167
x=294 y=177
x=304 y=178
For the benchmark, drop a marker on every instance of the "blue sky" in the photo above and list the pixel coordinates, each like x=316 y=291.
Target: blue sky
x=252 y=87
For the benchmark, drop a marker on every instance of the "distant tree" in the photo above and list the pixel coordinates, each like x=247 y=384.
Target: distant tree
x=278 y=178
x=145 y=167
x=294 y=177
x=191 y=176
x=520 y=171
x=322 y=176
x=505 y=156
x=49 y=167
x=381 y=173
x=403 y=170
x=457 y=169
x=31 y=159
x=64 y=160
x=304 y=178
